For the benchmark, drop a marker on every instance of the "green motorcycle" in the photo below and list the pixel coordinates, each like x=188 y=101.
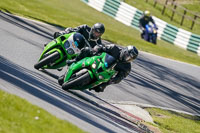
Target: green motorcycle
x=55 y=54
x=89 y=72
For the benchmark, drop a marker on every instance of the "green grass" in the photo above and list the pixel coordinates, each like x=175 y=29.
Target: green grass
x=66 y=13
x=173 y=122
x=19 y=116
x=193 y=5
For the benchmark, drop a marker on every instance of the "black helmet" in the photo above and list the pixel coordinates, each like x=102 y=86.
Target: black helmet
x=96 y=31
x=79 y=40
x=128 y=54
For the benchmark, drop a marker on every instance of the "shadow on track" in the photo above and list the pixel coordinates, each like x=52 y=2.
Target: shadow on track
x=171 y=84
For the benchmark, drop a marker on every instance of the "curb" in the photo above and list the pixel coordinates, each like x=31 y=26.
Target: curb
x=152 y=106
x=117 y=111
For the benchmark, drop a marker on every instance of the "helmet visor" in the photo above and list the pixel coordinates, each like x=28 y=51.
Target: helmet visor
x=127 y=56
x=96 y=34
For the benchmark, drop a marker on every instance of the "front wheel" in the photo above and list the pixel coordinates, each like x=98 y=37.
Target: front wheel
x=77 y=81
x=47 y=60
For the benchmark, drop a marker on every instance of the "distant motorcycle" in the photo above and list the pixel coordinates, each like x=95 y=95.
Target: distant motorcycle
x=56 y=52
x=89 y=72
x=151 y=32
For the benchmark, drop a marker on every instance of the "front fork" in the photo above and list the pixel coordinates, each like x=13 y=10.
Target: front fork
x=56 y=50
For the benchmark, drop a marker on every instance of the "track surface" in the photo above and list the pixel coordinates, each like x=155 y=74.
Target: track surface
x=153 y=80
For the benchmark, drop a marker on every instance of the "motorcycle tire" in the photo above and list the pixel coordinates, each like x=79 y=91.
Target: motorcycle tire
x=47 y=60
x=77 y=81
x=154 y=41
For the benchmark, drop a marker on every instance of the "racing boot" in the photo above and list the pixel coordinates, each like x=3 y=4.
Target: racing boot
x=61 y=80
x=60 y=69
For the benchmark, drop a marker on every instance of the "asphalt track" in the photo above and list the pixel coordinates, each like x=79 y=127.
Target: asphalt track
x=153 y=80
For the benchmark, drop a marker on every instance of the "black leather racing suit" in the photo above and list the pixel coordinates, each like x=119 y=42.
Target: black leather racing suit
x=82 y=29
x=143 y=21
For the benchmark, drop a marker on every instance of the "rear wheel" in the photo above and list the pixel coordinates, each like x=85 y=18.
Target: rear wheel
x=47 y=60
x=77 y=81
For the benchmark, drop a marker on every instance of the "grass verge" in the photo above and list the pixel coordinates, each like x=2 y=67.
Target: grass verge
x=66 y=13
x=19 y=116
x=173 y=122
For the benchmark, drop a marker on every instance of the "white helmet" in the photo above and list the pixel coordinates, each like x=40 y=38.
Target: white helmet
x=147 y=13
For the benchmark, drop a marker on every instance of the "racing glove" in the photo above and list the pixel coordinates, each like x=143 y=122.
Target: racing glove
x=57 y=34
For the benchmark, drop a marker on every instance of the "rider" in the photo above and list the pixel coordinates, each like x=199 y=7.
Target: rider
x=92 y=34
x=124 y=58
x=145 y=19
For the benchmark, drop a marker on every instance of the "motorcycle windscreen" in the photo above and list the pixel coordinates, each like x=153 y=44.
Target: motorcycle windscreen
x=71 y=46
x=109 y=61
x=149 y=29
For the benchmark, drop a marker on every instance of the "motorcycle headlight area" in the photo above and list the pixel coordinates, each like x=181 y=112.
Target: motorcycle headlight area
x=66 y=44
x=70 y=51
